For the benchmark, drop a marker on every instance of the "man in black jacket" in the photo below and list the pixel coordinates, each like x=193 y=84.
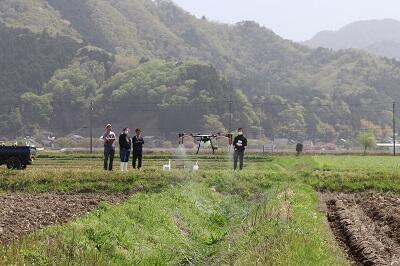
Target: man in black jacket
x=239 y=143
x=137 y=146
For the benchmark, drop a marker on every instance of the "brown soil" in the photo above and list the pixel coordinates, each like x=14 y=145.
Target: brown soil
x=367 y=226
x=23 y=213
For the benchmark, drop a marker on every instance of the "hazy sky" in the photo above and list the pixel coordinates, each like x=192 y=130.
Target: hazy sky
x=294 y=19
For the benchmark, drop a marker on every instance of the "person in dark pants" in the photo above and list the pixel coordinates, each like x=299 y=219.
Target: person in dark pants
x=137 y=147
x=239 y=143
x=109 y=148
x=125 y=145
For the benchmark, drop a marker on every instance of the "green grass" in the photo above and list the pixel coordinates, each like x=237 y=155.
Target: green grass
x=348 y=162
x=354 y=181
x=78 y=181
x=183 y=223
x=354 y=173
x=265 y=215
x=285 y=230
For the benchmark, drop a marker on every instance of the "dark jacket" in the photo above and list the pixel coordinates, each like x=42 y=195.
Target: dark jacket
x=137 y=145
x=240 y=140
x=125 y=142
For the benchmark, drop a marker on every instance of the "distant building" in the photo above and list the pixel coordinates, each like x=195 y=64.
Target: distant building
x=325 y=146
x=388 y=146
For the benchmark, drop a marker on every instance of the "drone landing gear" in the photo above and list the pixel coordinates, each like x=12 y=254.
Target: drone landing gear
x=212 y=147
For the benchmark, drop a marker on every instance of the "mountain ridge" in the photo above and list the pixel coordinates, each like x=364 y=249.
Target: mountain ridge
x=305 y=93
x=375 y=36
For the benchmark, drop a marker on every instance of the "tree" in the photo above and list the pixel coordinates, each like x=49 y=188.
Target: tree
x=36 y=109
x=326 y=132
x=291 y=123
x=212 y=124
x=367 y=140
x=15 y=124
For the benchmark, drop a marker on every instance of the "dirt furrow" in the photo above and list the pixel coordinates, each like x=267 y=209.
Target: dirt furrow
x=385 y=211
x=366 y=236
x=22 y=213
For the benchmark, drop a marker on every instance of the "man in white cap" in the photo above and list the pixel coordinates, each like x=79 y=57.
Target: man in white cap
x=109 y=148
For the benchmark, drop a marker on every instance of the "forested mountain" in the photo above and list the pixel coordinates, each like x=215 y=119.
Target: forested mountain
x=151 y=64
x=380 y=37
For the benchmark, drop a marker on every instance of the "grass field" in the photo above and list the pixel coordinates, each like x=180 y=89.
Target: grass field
x=265 y=215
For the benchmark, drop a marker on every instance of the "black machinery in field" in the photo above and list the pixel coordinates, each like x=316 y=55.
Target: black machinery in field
x=17 y=157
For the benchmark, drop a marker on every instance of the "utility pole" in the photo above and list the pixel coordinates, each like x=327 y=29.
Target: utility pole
x=260 y=121
x=91 y=125
x=394 y=129
x=230 y=115
x=261 y=128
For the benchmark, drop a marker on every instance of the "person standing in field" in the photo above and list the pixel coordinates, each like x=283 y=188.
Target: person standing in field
x=239 y=143
x=137 y=147
x=109 y=148
x=125 y=145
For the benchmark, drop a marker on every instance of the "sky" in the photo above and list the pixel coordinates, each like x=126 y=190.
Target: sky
x=298 y=20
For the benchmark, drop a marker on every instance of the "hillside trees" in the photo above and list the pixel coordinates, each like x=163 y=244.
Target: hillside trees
x=166 y=69
x=162 y=96
x=28 y=60
x=173 y=96
x=36 y=110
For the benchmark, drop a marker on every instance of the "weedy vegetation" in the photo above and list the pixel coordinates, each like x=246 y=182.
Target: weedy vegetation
x=265 y=215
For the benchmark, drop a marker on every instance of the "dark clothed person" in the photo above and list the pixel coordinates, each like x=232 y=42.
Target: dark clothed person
x=239 y=143
x=137 y=147
x=109 y=148
x=125 y=145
